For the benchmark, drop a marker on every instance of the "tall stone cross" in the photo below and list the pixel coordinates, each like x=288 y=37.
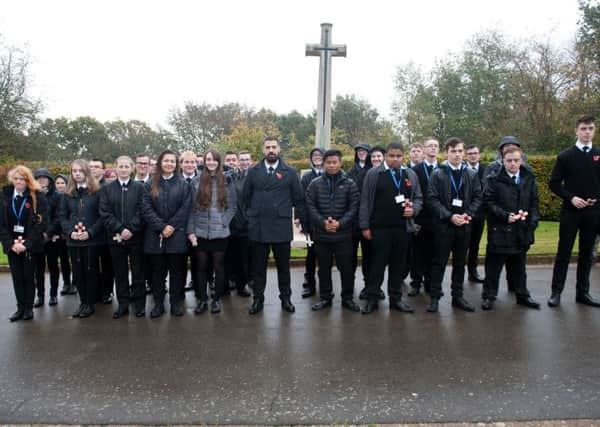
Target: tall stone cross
x=325 y=50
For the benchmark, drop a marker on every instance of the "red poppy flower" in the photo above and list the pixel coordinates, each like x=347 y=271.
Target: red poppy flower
x=278 y=175
x=27 y=205
x=596 y=158
x=408 y=182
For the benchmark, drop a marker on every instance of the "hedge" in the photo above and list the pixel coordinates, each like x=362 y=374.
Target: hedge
x=542 y=165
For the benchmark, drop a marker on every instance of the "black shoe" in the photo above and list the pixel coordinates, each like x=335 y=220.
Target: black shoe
x=189 y=287
x=177 y=309
x=201 y=307
x=363 y=294
x=65 y=289
x=554 y=300
x=244 y=292
x=215 y=306
x=17 y=315
x=78 y=311
x=308 y=292
x=399 y=305
x=370 y=307
x=286 y=305
x=232 y=285
x=475 y=278
x=326 y=303
x=350 y=305
x=120 y=312
x=107 y=299
x=157 y=311
x=587 y=300
x=257 y=307
x=38 y=302
x=140 y=312
x=52 y=301
x=487 y=304
x=528 y=302
x=413 y=292
x=28 y=314
x=72 y=290
x=381 y=294
x=434 y=305
x=462 y=303
x=86 y=311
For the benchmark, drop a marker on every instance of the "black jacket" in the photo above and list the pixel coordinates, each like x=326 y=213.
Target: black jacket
x=336 y=197
x=367 y=197
x=503 y=197
x=81 y=206
x=34 y=222
x=439 y=194
x=269 y=199
x=172 y=207
x=239 y=224
x=121 y=209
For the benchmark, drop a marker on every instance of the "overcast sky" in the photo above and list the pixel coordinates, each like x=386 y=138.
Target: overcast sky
x=138 y=59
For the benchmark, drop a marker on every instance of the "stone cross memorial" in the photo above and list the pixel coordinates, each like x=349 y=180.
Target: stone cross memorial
x=325 y=51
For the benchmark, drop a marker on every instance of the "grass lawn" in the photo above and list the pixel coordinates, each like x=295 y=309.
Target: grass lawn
x=546 y=241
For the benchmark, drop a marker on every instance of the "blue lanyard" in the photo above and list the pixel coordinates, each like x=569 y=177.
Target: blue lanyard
x=460 y=182
x=397 y=182
x=14 y=209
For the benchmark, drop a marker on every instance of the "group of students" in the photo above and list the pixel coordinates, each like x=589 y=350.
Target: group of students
x=226 y=217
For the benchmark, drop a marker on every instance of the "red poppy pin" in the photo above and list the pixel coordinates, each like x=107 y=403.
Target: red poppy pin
x=278 y=175
x=596 y=158
x=408 y=182
x=27 y=205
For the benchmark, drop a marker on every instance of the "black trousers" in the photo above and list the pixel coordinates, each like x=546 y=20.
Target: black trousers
x=423 y=258
x=85 y=263
x=53 y=251
x=22 y=268
x=237 y=261
x=204 y=260
x=260 y=258
x=515 y=263
x=310 y=267
x=342 y=252
x=124 y=258
x=193 y=267
x=449 y=238
x=473 y=251
x=585 y=222
x=389 y=247
x=365 y=246
x=107 y=275
x=175 y=266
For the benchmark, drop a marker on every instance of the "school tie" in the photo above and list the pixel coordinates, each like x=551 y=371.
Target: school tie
x=586 y=149
x=271 y=170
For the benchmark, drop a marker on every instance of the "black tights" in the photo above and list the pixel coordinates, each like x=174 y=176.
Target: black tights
x=201 y=273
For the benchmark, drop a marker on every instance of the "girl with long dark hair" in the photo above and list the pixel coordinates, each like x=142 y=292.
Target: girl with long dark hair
x=165 y=208
x=208 y=227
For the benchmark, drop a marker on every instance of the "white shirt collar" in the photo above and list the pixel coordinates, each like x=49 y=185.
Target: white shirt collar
x=16 y=193
x=168 y=177
x=476 y=167
x=185 y=176
x=137 y=178
x=84 y=185
x=513 y=174
x=123 y=182
x=454 y=168
x=579 y=145
x=269 y=165
x=434 y=164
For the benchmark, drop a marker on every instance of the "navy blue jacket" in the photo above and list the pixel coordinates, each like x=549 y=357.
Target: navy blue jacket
x=268 y=200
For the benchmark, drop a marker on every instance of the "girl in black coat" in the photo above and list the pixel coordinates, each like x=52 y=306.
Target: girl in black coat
x=22 y=224
x=80 y=221
x=165 y=207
